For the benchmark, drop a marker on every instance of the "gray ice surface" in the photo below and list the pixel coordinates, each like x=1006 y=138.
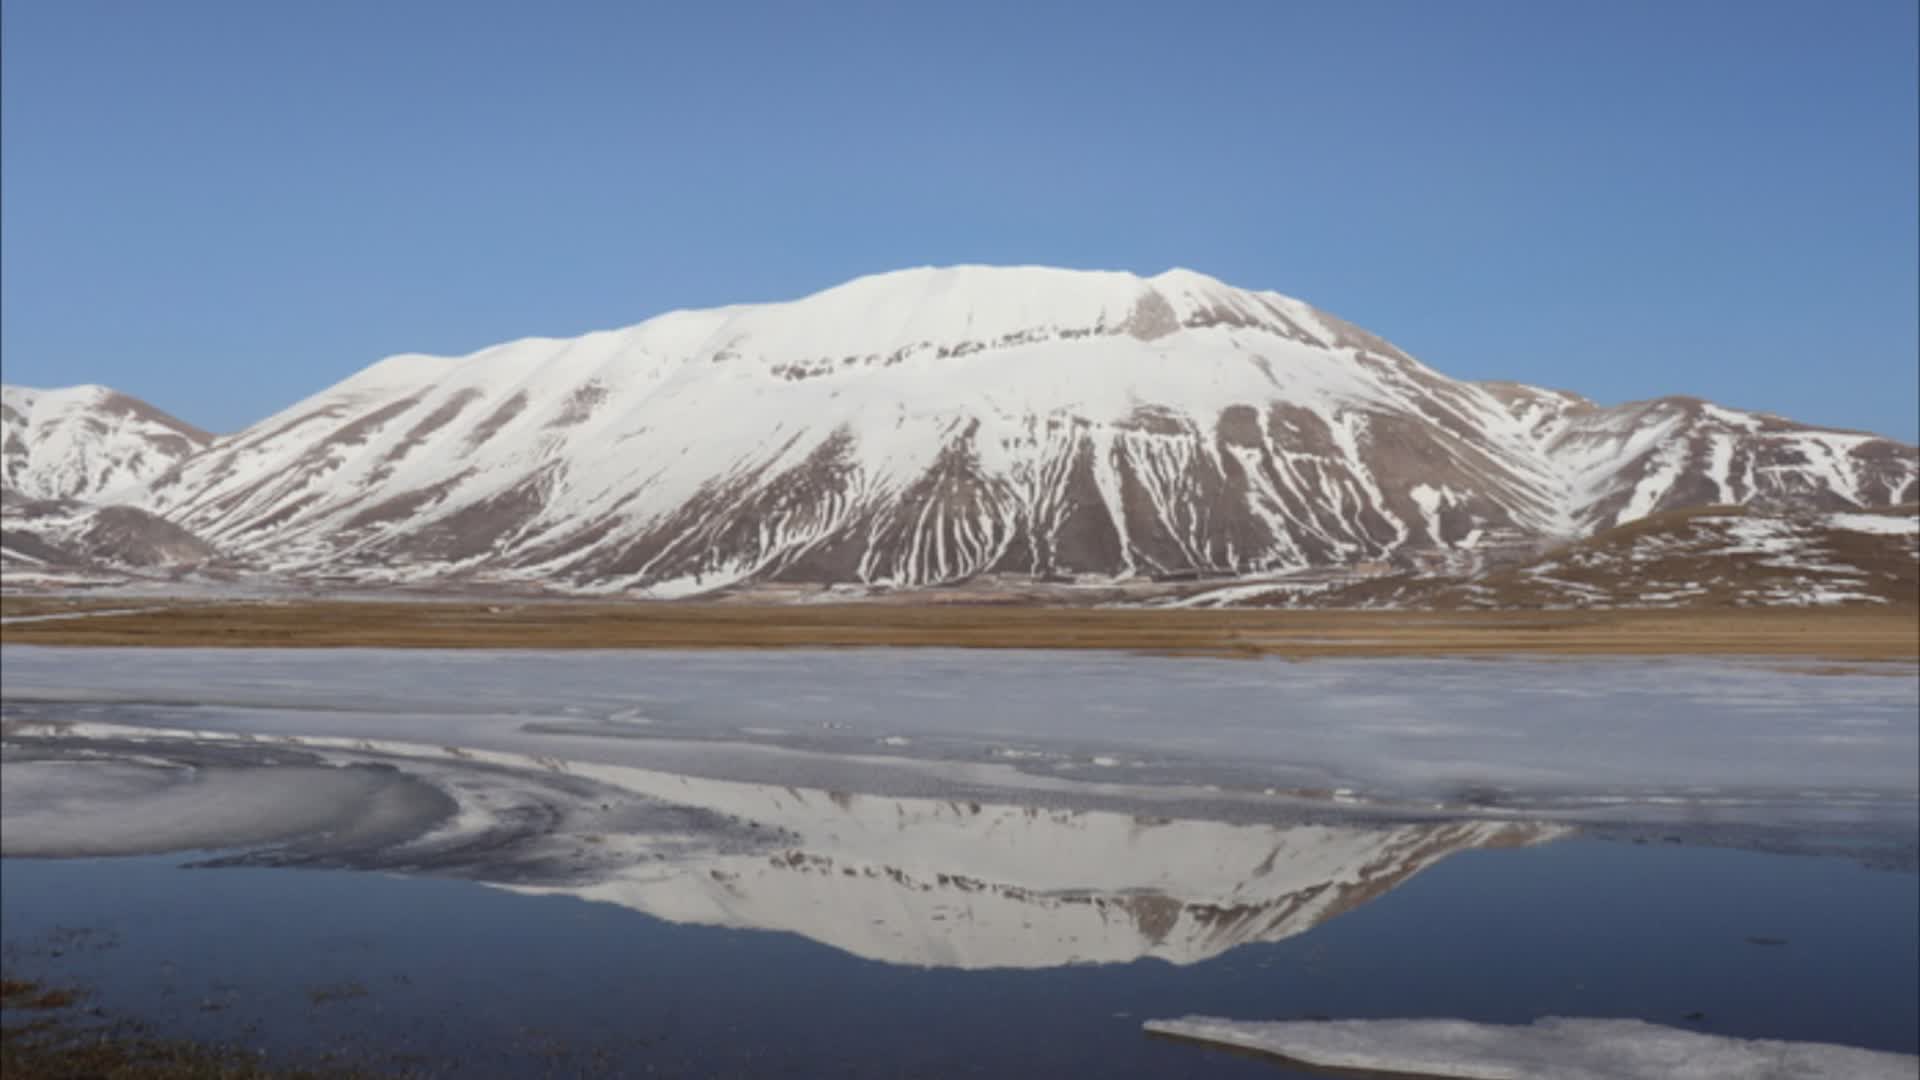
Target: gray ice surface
x=1411 y=727
x=1628 y=743
x=101 y=806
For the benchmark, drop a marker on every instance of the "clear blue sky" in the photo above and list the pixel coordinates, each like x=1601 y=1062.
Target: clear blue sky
x=222 y=207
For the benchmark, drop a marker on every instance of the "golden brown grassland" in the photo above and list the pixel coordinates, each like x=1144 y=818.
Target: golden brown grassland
x=1838 y=635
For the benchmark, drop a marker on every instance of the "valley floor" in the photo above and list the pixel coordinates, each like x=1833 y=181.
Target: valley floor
x=1847 y=635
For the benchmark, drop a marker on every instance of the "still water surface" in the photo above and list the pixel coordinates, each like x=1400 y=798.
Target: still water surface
x=455 y=978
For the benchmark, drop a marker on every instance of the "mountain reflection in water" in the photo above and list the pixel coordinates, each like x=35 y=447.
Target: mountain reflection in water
x=963 y=885
x=911 y=881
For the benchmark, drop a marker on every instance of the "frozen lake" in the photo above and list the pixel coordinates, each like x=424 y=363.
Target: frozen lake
x=914 y=861
x=1710 y=740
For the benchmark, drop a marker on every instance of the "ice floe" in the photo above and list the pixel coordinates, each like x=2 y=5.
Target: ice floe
x=1554 y=1048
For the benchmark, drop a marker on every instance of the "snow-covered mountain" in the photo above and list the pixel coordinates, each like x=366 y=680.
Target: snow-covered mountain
x=87 y=442
x=72 y=463
x=942 y=425
x=1633 y=460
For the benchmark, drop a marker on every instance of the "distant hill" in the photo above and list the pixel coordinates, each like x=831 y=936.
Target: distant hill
x=1711 y=557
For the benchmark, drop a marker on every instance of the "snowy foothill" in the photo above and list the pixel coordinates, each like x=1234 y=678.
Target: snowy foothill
x=1554 y=1048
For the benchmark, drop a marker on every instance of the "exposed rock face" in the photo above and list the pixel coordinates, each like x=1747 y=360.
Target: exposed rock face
x=934 y=426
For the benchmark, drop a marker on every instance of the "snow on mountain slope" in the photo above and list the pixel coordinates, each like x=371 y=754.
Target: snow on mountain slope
x=1722 y=556
x=938 y=425
x=87 y=442
x=70 y=460
x=1628 y=461
x=1717 y=556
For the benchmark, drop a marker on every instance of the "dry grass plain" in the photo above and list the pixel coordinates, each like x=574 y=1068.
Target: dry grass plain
x=1830 y=635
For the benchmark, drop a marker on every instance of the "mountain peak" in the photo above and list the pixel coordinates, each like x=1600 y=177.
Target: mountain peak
x=1050 y=292
x=951 y=311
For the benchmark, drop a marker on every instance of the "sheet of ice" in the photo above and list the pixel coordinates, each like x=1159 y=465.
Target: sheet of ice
x=1554 y=1048
x=108 y=807
x=1527 y=734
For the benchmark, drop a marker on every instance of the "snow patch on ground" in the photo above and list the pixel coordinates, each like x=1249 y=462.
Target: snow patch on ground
x=1879 y=524
x=1760 y=536
x=57 y=616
